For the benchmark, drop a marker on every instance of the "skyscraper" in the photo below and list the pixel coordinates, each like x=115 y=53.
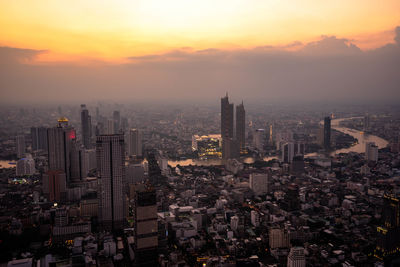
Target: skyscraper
x=135 y=143
x=388 y=234
x=145 y=225
x=327 y=133
x=241 y=126
x=39 y=138
x=226 y=118
x=371 y=152
x=110 y=153
x=54 y=185
x=20 y=146
x=86 y=124
x=228 y=143
x=60 y=140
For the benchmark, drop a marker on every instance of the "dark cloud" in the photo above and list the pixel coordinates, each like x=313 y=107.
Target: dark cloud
x=10 y=55
x=330 y=69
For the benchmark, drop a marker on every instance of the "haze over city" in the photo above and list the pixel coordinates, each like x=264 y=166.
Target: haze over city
x=179 y=133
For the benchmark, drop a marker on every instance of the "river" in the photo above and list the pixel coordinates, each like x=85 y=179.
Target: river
x=359 y=147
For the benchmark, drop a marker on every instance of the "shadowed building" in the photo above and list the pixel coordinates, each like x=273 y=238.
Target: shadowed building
x=327 y=133
x=110 y=154
x=241 y=126
x=86 y=127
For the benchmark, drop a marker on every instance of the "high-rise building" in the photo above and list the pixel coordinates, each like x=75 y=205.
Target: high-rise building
x=278 y=238
x=20 y=146
x=145 y=225
x=226 y=118
x=388 y=234
x=60 y=141
x=117 y=121
x=25 y=166
x=230 y=148
x=135 y=143
x=371 y=152
x=296 y=257
x=241 y=126
x=288 y=152
x=88 y=161
x=258 y=182
x=255 y=218
x=110 y=153
x=86 y=124
x=39 y=138
x=259 y=139
x=327 y=133
x=54 y=186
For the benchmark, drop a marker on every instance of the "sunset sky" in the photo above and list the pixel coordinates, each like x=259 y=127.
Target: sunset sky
x=76 y=30
x=197 y=50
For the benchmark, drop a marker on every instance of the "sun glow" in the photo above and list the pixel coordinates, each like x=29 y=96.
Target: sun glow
x=114 y=30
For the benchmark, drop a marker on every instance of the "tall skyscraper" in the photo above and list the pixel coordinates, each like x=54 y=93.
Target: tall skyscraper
x=241 y=126
x=60 y=140
x=25 y=166
x=110 y=153
x=388 y=239
x=86 y=124
x=296 y=257
x=20 y=146
x=145 y=225
x=229 y=148
x=54 y=186
x=259 y=138
x=135 y=143
x=110 y=127
x=226 y=118
x=117 y=121
x=39 y=138
x=327 y=133
x=288 y=152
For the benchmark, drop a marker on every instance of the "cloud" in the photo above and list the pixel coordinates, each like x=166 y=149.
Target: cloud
x=10 y=55
x=330 y=69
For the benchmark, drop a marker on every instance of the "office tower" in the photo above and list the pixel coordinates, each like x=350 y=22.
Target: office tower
x=297 y=166
x=86 y=124
x=135 y=143
x=39 y=138
x=299 y=149
x=388 y=234
x=75 y=162
x=278 y=238
x=146 y=226
x=88 y=161
x=371 y=152
x=287 y=152
x=60 y=140
x=20 y=146
x=25 y=166
x=110 y=154
x=117 y=121
x=226 y=118
x=327 y=133
x=258 y=182
x=54 y=186
x=241 y=126
x=230 y=148
x=296 y=257
x=97 y=115
x=110 y=127
x=259 y=139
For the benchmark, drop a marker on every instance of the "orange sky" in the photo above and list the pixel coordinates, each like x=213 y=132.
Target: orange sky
x=76 y=30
